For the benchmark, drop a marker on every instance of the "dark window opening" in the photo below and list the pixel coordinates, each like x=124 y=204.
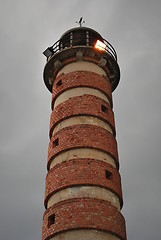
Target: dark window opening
x=79 y=38
x=56 y=143
x=104 y=109
x=108 y=174
x=65 y=42
x=51 y=220
x=59 y=83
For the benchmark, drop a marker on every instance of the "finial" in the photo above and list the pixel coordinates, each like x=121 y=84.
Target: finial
x=80 y=21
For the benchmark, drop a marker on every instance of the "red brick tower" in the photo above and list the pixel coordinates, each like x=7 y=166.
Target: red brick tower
x=83 y=194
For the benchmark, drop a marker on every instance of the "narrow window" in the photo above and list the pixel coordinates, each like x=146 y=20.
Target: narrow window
x=56 y=143
x=104 y=109
x=51 y=220
x=108 y=174
x=59 y=83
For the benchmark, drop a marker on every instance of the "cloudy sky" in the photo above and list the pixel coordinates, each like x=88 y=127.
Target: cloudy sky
x=27 y=28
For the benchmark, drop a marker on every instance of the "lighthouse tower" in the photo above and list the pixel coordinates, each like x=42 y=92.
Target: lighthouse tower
x=83 y=196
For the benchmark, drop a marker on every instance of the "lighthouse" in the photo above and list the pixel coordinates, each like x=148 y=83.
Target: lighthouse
x=83 y=195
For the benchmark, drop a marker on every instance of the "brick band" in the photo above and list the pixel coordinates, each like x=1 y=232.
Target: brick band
x=82 y=136
x=84 y=213
x=82 y=172
x=81 y=79
x=82 y=105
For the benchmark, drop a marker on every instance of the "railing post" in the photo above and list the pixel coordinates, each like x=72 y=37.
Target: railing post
x=87 y=38
x=71 y=39
x=61 y=46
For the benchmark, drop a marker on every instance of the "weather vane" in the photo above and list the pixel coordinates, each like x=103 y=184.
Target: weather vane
x=80 y=21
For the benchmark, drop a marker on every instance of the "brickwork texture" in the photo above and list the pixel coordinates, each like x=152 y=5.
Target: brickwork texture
x=82 y=213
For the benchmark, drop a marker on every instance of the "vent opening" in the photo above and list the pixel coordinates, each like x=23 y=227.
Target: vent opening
x=59 y=83
x=51 y=220
x=108 y=174
x=104 y=109
x=56 y=143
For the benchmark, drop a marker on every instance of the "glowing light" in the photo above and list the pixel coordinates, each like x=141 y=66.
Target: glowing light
x=100 y=45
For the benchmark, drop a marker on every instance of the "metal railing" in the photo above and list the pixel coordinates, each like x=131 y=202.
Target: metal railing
x=71 y=41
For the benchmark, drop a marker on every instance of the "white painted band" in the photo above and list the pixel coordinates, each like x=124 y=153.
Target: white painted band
x=82 y=66
x=79 y=91
x=84 y=191
x=85 y=235
x=83 y=153
x=82 y=120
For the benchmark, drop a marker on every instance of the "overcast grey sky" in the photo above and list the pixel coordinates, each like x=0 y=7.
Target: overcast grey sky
x=27 y=28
